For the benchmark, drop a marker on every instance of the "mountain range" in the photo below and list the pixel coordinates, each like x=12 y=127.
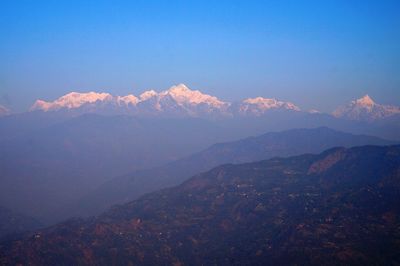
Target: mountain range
x=274 y=144
x=340 y=207
x=180 y=101
x=63 y=168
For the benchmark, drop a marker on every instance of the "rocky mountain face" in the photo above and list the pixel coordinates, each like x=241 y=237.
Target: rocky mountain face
x=275 y=144
x=365 y=109
x=340 y=207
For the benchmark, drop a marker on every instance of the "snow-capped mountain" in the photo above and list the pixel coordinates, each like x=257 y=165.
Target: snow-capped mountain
x=73 y=100
x=259 y=105
x=178 y=100
x=3 y=111
x=365 y=109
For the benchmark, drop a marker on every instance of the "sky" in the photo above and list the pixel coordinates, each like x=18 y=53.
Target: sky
x=317 y=54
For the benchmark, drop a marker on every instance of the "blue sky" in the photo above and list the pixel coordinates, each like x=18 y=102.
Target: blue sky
x=317 y=54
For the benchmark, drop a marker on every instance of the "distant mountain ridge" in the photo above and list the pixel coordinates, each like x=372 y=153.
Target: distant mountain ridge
x=340 y=207
x=53 y=159
x=273 y=144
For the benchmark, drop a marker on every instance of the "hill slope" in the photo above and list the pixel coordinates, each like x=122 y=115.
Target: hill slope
x=339 y=207
x=12 y=223
x=282 y=144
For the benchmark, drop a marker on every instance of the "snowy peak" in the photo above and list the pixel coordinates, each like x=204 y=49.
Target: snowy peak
x=365 y=109
x=179 y=100
x=147 y=95
x=183 y=95
x=127 y=100
x=180 y=89
x=71 y=101
x=270 y=103
x=364 y=101
x=260 y=105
